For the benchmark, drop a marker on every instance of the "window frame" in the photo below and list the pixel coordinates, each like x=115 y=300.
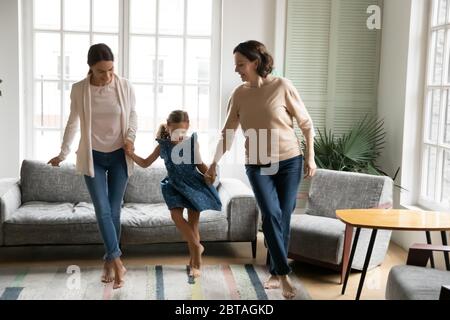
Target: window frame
x=434 y=203
x=124 y=35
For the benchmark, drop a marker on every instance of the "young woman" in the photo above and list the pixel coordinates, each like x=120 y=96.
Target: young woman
x=103 y=107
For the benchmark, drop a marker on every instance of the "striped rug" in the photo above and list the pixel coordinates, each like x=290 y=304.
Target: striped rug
x=168 y=282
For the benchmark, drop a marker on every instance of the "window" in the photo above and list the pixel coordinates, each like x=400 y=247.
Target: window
x=163 y=47
x=435 y=186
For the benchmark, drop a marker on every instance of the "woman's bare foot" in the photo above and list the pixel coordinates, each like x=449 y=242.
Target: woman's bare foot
x=272 y=283
x=108 y=272
x=287 y=287
x=119 y=272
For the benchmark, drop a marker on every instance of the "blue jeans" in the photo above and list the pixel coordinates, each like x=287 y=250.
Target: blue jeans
x=107 y=189
x=276 y=196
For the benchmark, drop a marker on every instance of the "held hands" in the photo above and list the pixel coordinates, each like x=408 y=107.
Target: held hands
x=128 y=146
x=55 y=161
x=309 y=168
x=210 y=174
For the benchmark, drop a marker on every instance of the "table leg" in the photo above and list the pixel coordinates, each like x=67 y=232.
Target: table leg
x=347 y=247
x=366 y=262
x=352 y=254
x=428 y=234
x=444 y=242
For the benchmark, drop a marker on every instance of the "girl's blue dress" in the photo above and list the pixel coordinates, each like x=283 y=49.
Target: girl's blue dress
x=184 y=186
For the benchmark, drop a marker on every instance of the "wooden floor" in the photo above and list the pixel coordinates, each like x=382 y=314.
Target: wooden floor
x=322 y=284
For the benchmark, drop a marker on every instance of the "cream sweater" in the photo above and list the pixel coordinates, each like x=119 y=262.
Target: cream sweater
x=270 y=108
x=81 y=117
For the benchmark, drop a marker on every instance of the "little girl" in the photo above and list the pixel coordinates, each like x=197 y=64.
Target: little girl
x=184 y=186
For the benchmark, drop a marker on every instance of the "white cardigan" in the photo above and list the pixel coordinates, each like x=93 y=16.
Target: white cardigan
x=80 y=117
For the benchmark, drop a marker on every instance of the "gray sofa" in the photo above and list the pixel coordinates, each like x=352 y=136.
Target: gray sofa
x=318 y=237
x=51 y=205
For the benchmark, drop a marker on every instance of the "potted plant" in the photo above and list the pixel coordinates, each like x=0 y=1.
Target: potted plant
x=355 y=151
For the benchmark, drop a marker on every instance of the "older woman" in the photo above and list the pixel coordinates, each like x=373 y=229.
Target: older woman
x=265 y=106
x=103 y=106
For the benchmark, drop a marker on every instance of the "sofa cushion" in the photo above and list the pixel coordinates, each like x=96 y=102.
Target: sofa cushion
x=154 y=215
x=331 y=190
x=317 y=238
x=50 y=213
x=415 y=283
x=42 y=182
x=144 y=185
x=52 y=223
x=151 y=223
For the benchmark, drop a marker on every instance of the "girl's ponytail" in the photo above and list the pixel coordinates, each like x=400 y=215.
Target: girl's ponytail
x=163 y=133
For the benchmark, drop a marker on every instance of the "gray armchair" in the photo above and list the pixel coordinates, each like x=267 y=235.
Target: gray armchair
x=318 y=237
x=416 y=282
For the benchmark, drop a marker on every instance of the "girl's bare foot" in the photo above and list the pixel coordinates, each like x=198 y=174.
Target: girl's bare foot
x=197 y=260
x=191 y=248
x=108 y=272
x=196 y=273
x=272 y=283
x=119 y=272
x=191 y=272
x=287 y=287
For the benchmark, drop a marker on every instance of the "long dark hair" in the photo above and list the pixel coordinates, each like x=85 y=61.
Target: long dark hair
x=255 y=50
x=99 y=52
x=175 y=116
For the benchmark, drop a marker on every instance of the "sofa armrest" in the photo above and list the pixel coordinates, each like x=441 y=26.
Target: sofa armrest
x=239 y=204
x=10 y=200
x=419 y=253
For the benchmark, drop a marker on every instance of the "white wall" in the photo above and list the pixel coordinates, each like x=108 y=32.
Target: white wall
x=392 y=83
x=242 y=20
x=10 y=111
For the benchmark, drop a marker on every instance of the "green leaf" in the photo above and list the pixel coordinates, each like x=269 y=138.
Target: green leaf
x=355 y=151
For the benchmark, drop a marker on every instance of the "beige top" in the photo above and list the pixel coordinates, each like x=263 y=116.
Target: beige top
x=393 y=219
x=80 y=118
x=266 y=116
x=106 y=112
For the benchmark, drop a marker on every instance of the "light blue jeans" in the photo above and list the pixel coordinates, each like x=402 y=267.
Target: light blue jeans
x=107 y=189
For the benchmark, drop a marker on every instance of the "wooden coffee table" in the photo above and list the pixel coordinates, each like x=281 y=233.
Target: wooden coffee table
x=388 y=219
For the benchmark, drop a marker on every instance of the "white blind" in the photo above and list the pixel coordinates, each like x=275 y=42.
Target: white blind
x=332 y=58
x=357 y=65
x=307 y=46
